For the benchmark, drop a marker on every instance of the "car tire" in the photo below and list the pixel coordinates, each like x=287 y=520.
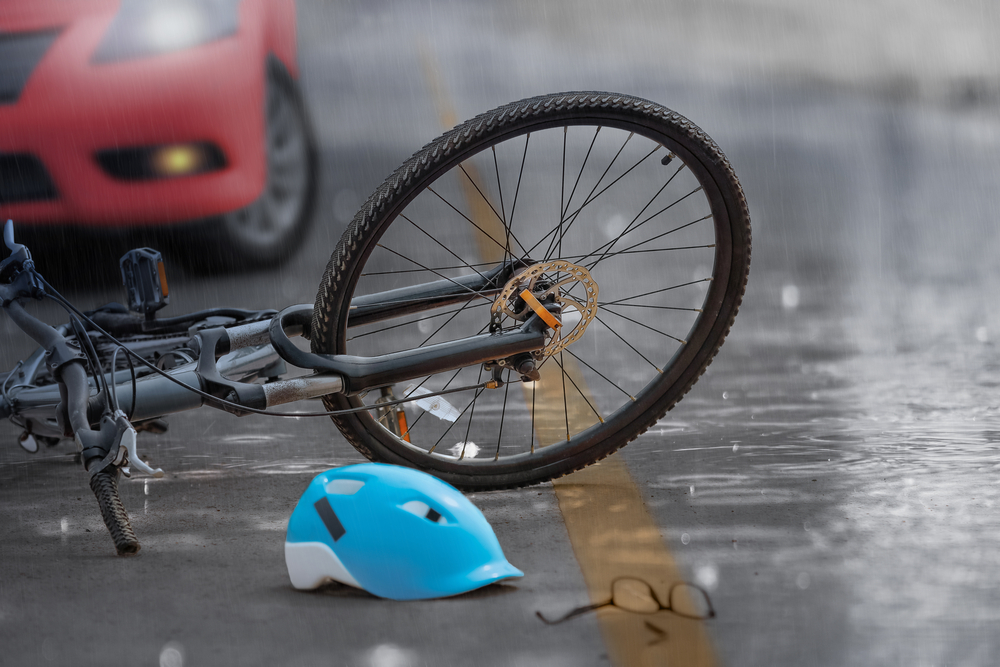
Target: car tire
x=271 y=229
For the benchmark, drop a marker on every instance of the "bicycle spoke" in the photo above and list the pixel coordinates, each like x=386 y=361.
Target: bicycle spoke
x=460 y=415
x=629 y=345
x=642 y=305
x=475 y=266
x=612 y=183
x=490 y=204
x=648 y=250
x=533 y=418
x=588 y=199
x=446 y=385
x=424 y=381
x=658 y=291
x=578 y=390
x=580 y=173
x=632 y=224
x=446 y=323
x=467 y=218
x=562 y=374
x=503 y=413
x=469 y=305
x=630 y=249
x=503 y=212
x=603 y=376
x=520 y=173
x=562 y=194
x=451 y=280
x=443 y=246
x=472 y=415
x=659 y=236
x=646 y=326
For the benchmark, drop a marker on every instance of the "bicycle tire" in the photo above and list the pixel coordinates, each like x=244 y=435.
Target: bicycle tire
x=370 y=258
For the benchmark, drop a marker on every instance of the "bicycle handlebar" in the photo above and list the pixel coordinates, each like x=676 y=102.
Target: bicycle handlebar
x=8 y=237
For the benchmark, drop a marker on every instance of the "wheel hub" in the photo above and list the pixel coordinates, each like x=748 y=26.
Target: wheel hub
x=567 y=289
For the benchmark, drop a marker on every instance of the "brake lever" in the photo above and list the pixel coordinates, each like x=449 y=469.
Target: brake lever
x=127 y=454
x=112 y=445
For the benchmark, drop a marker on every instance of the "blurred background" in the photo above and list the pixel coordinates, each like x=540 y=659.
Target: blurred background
x=846 y=438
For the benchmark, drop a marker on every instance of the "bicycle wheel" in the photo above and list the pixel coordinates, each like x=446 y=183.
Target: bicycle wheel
x=623 y=188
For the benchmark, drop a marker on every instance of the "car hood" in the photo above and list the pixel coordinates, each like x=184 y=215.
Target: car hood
x=41 y=14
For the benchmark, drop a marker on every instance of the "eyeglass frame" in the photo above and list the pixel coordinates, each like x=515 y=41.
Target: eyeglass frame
x=579 y=611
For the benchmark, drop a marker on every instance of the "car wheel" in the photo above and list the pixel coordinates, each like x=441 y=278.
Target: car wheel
x=269 y=230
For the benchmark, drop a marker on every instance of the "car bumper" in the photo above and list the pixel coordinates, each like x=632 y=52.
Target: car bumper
x=71 y=109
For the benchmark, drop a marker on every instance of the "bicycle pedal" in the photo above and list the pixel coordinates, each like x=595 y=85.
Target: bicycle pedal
x=145 y=279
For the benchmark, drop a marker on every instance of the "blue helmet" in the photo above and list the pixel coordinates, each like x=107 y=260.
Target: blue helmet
x=395 y=532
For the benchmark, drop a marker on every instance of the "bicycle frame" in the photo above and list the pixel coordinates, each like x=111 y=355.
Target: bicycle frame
x=244 y=351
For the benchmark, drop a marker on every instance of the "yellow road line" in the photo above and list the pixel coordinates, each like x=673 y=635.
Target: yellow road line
x=612 y=533
x=479 y=209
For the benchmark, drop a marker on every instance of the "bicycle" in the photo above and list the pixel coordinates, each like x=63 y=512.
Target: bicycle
x=591 y=249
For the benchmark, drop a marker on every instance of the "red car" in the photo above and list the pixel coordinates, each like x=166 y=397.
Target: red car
x=118 y=113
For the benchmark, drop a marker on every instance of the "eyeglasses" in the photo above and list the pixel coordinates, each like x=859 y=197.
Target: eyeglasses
x=635 y=595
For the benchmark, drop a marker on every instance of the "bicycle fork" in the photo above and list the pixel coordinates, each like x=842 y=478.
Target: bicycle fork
x=105 y=452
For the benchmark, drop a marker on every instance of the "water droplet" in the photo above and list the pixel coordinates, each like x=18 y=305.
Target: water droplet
x=802 y=581
x=707 y=576
x=685 y=538
x=615 y=225
x=387 y=655
x=806 y=526
x=467 y=450
x=789 y=297
x=982 y=334
x=725 y=395
x=345 y=205
x=736 y=448
x=692 y=490
x=64 y=525
x=172 y=655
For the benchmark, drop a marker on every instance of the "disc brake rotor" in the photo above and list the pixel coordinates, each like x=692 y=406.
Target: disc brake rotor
x=568 y=285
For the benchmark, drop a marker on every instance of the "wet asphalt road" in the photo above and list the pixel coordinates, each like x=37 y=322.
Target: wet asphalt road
x=831 y=480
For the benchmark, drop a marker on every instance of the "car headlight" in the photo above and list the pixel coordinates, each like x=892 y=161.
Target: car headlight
x=144 y=28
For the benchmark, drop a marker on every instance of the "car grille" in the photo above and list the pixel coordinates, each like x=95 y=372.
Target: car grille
x=19 y=54
x=24 y=178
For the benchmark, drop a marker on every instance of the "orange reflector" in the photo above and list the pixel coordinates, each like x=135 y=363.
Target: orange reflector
x=537 y=306
x=404 y=428
x=162 y=270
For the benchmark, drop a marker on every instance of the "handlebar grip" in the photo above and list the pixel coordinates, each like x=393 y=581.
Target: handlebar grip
x=8 y=237
x=105 y=486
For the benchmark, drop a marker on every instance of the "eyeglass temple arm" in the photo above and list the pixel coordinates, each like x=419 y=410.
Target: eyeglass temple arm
x=579 y=611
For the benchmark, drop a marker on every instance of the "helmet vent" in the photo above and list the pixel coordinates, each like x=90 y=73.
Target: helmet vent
x=344 y=487
x=424 y=511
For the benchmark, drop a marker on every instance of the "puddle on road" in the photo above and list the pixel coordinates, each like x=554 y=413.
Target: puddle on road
x=855 y=496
